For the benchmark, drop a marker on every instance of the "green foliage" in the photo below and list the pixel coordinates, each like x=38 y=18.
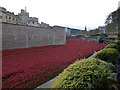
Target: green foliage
x=112 y=22
x=93 y=32
x=118 y=36
x=79 y=35
x=103 y=35
x=86 y=73
x=112 y=45
x=108 y=54
x=84 y=32
x=118 y=44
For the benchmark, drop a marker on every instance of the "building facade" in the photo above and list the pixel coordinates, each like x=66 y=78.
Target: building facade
x=102 y=29
x=9 y=17
x=72 y=31
x=22 y=18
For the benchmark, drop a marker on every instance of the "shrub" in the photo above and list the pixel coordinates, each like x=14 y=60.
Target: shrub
x=118 y=36
x=108 y=54
x=118 y=44
x=86 y=73
x=118 y=61
x=103 y=35
x=112 y=45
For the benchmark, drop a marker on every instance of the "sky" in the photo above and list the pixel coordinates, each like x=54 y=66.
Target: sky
x=69 y=13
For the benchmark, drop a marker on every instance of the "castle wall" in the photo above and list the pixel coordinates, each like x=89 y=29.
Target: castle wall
x=20 y=36
x=0 y=36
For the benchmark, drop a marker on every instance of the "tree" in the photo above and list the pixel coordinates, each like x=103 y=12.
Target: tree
x=93 y=32
x=113 y=22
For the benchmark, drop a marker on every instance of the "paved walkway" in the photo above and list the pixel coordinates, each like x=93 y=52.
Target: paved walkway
x=46 y=85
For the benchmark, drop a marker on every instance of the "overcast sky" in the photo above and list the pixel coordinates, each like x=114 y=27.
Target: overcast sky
x=71 y=13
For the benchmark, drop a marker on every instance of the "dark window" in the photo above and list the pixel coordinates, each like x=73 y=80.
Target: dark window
x=13 y=18
x=33 y=22
x=6 y=17
x=9 y=17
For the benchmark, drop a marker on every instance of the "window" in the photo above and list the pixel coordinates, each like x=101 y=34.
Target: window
x=9 y=17
x=13 y=18
x=33 y=22
x=6 y=17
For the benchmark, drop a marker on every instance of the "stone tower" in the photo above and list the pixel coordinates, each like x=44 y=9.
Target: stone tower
x=23 y=16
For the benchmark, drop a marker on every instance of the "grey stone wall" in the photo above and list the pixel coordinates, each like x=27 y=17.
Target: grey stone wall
x=20 y=36
x=0 y=36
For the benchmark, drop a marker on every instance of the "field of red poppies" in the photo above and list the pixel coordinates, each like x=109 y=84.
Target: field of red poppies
x=30 y=67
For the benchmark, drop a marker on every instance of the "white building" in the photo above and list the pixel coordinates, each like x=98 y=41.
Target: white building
x=102 y=29
x=26 y=20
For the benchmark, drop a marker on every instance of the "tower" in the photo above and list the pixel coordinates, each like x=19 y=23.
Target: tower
x=85 y=28
x=23 y=16
x=25 y=9
x=85 y=31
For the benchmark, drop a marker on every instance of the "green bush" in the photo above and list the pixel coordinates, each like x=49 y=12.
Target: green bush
x=112 y=45
x=107 y=54
x=118 y=36
x=118 y=44
x=103 y=35
x=86 y=73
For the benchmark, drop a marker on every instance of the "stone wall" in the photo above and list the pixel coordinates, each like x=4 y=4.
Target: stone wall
x=0 y=36
x=20 y=36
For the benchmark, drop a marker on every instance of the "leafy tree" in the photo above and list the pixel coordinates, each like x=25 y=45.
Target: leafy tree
x=93 y=32
x=113 y=22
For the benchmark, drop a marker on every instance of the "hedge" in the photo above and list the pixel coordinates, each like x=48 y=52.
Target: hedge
x=118 y=44
x=112 y=45
x=107 y=54
x=86 y=73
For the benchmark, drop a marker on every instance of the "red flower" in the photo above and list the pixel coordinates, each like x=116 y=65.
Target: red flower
x=29 y=67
